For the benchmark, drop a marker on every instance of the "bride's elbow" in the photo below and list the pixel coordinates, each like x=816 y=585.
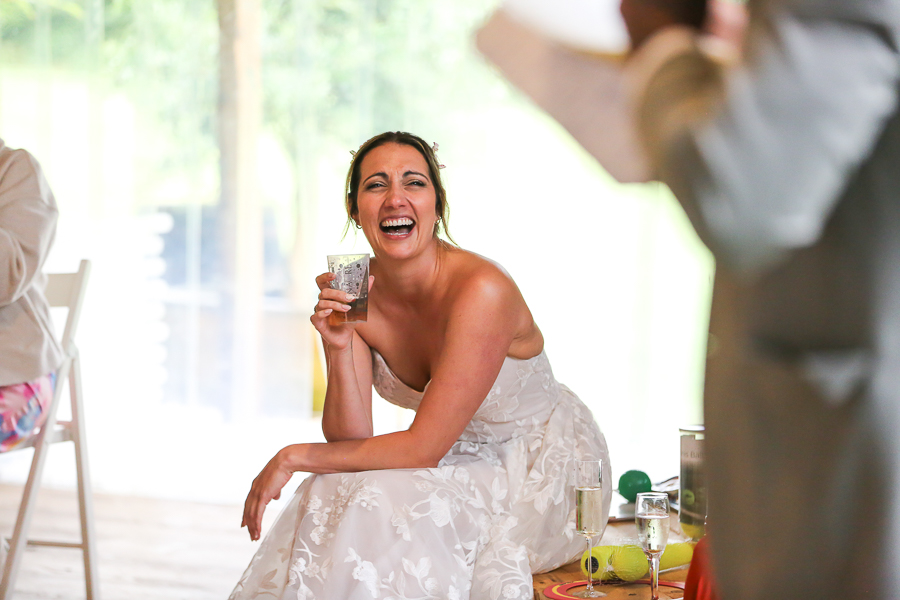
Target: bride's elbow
x=425 y=454
x=343 y=436
x=430 y=463
x=336 y=429
x=425 y=463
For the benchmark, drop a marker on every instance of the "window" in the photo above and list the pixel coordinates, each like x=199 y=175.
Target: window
x=197 y=151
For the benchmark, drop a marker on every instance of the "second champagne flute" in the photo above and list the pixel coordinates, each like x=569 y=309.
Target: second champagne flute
x=651 y=515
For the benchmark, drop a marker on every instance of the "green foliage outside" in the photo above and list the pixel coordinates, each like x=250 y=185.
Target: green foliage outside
x=334 y=71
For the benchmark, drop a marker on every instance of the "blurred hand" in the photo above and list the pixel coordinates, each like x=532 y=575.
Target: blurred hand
x=643 y=18
x=727 y=21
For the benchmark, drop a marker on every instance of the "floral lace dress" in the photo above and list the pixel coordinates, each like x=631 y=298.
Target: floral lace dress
x=499 y=507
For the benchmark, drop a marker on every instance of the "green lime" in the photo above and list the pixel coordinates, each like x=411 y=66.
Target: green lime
x=687 y=497
x=632 y=483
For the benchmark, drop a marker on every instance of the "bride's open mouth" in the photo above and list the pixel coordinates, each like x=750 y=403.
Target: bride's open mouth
x=397 y=227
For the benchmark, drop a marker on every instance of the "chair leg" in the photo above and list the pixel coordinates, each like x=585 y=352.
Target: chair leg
x=23 y=521
x=85 y=502
x=26 y=508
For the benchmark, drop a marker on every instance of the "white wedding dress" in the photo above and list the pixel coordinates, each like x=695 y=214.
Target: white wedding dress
x=499 y=507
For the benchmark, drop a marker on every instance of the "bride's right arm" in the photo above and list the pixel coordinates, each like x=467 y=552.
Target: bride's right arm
x=347 y=414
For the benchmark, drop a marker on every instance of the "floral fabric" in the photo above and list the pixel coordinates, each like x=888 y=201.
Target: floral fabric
x=499 y=507
x=23 y=409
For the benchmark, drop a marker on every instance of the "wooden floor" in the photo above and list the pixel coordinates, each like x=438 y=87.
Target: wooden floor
x=149 y=549
x=154 y=549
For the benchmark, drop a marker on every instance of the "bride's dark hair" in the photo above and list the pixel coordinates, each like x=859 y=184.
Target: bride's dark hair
x=441 y=208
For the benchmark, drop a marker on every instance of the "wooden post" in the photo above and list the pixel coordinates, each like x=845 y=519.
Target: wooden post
x=239 y=115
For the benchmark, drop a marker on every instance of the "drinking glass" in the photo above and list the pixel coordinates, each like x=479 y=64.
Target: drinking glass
x=692 y=483
x=589 y=511
x=351 y=276
x=651 y=515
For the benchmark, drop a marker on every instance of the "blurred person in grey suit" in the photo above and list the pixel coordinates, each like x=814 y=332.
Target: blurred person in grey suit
x=787 y=162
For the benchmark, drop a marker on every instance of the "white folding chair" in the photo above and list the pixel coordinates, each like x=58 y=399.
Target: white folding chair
x=64 y=290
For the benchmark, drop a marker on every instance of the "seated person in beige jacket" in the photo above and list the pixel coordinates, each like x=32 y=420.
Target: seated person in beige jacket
x=29 y=352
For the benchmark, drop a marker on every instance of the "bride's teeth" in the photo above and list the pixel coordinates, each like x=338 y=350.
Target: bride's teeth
x=396 y=222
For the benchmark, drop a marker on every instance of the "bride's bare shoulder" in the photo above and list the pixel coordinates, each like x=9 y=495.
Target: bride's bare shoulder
x=473 y=273
x=481 y=286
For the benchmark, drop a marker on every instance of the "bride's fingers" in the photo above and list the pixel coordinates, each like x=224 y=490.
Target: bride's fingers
x=253 y=512
x=323 y=305
x=324 y=280
x=319 y=319
x=257 y=520
x=333 y=294
x=333 y=300
x=245 y=520
x=254 y=507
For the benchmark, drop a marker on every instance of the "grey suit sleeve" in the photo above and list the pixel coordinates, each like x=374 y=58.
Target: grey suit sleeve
x=28 y=217
x=758 y=154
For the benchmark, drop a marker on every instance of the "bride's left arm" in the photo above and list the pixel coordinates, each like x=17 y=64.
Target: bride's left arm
x=480 y=329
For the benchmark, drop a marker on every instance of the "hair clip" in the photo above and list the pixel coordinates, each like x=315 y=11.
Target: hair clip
x=434 y=149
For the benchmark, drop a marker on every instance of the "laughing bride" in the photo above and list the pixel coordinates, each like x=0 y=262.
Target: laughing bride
x=478 y=493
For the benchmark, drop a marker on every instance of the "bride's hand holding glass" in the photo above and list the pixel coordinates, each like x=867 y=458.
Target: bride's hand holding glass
x=331 y=300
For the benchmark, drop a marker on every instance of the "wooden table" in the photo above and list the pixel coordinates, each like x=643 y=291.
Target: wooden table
x=613 y=591
x=617 y=533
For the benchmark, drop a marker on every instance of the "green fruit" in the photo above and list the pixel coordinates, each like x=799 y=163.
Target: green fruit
x=629 y=563
x=599 y=562
x=632 y=483
x=676 y=555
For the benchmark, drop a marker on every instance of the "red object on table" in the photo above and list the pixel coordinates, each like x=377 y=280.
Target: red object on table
x=560 y=591
x=700 y=584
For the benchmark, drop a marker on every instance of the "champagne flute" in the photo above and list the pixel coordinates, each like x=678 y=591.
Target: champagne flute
x=651 y=515
x=589 y=512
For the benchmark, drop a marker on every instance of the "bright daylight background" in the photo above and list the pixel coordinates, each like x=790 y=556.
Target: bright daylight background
x=198 y=353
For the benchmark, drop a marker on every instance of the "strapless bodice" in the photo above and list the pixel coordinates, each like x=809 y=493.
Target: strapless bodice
x=521 y=399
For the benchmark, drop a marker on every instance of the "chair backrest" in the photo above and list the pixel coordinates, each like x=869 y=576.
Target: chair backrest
x=66 y=290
